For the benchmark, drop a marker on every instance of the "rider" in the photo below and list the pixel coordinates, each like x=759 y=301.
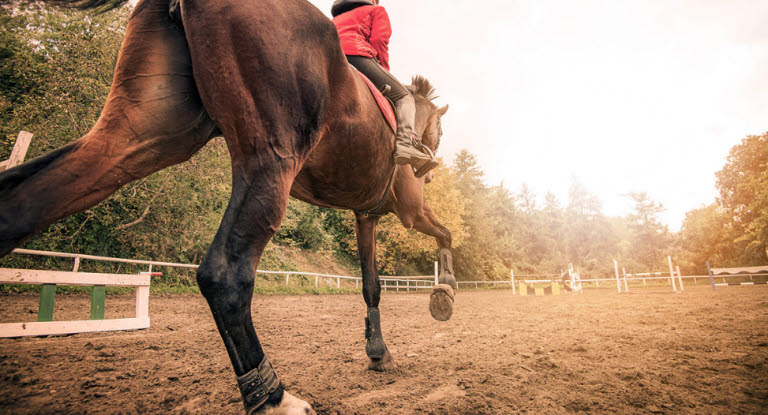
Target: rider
x=364 y=31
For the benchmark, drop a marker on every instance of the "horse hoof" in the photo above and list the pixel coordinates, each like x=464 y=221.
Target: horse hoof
x=384 y=364
x=290 y=405
x=441 y=302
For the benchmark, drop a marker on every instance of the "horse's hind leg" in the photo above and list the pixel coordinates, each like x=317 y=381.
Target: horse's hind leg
x=226 y=276
x=365 y=228
x=153 y=118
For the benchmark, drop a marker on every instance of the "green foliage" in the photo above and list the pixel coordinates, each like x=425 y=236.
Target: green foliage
x=651 y=241
x=743 y=186
x=733 y=231
x=304 y=227
x=706 y=236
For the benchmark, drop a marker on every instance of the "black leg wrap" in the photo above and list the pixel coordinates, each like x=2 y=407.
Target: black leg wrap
x=374 y=344
x=257 y=385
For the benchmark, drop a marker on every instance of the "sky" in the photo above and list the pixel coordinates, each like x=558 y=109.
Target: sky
x=623 y=96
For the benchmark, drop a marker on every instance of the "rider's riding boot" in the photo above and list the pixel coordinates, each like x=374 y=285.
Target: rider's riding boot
x=406 y=150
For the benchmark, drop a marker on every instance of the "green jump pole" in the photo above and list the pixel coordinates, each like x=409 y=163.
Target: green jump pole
x=711 y=278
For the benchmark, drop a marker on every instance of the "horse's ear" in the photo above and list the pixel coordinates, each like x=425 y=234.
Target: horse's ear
x=442 y=111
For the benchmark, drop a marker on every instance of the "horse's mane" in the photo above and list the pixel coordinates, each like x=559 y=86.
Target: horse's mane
x=100 y=5
x=421 y=86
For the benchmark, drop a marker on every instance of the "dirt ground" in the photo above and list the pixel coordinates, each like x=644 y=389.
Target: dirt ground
x=695 y=352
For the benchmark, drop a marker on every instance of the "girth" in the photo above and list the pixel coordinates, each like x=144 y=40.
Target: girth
x=376 y=209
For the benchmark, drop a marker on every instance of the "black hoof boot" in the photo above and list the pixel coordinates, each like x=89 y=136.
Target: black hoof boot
x=374 y=342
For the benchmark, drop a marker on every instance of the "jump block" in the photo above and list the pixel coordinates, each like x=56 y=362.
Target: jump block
x=526 y=289
x=49 y=280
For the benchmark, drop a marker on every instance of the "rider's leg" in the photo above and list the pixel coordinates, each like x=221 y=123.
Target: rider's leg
x=405 y=112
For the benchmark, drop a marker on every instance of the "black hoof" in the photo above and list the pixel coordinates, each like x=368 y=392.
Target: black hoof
x=384 y=364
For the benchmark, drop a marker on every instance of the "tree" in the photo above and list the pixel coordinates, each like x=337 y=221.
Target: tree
x=743 y=187
x=651 y=240
x=482 y=255
x=591 y=242
x=469 y=175
x=706 y=236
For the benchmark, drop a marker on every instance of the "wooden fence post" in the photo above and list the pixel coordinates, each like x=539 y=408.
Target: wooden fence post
x=19 y=151
x=626 y=286
x=672 y=274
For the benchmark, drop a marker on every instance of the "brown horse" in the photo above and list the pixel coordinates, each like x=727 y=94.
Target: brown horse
x=270 y=76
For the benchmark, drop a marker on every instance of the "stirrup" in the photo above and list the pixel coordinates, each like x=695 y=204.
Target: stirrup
x=430 y=164
x=426 y=168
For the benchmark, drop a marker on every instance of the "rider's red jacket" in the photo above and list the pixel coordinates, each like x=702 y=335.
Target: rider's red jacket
x=365 y=31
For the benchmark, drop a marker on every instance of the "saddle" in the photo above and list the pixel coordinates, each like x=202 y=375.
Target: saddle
x=385 y=105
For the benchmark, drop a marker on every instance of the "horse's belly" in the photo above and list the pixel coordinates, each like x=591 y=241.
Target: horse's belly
x=345 y=182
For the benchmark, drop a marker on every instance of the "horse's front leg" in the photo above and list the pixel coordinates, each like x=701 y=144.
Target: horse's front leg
x=442 y=297
x=380 y=359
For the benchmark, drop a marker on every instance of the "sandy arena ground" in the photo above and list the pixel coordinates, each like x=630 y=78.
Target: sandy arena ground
x=695 y=352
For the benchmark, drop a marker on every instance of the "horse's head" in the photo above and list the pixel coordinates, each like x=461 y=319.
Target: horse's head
x=428 y=115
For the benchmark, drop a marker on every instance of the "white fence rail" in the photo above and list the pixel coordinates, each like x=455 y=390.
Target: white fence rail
x=396 y=283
